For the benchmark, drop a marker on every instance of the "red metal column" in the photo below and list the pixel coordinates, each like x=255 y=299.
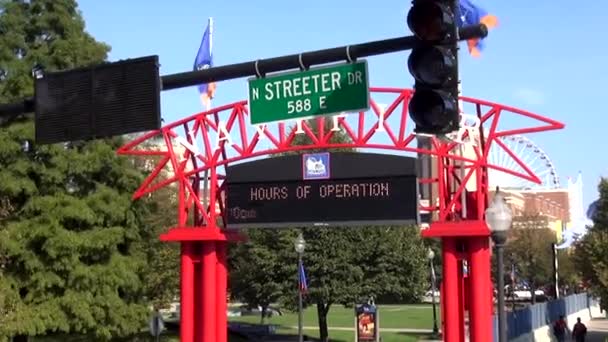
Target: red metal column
x=187 y=293
x=480 y=317
x=442 y=306
x=221 y=285
x=198 y=292
x=453 y=313
x=461 y=302
x=209 y=264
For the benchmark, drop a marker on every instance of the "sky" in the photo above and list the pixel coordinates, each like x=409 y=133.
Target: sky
x=545 y=57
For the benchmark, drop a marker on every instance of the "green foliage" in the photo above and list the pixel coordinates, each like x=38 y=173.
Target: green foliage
x=348 y=265
x=45 y=32
x=161 y=273
x=71 y=241
x=529 y=249
x=337 y=137
x=74 y=248
x=591 y=254
x=262 y=268
x=567 y=269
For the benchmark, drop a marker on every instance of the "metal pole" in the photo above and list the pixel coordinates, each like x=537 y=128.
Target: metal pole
x=502 y=317
x=300 y=335
x=186 y=326
x=263 y=66
x=296 y=61
x=555 y=270
x=435 y=328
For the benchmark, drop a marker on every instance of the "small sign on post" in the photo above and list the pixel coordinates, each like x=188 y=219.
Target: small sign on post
x=366 y=321
x=156 y=325
x=315 y=92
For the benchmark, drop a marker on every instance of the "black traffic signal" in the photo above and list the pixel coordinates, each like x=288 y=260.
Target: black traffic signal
x=434 y=65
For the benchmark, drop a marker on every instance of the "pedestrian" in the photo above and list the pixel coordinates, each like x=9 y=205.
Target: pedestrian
x=579 y=331
x=559 y=329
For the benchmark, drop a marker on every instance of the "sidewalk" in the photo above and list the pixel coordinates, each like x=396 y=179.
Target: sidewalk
x=597 y=330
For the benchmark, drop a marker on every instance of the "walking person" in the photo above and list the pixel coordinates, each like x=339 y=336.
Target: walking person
x=579 y=331
x=559 y=329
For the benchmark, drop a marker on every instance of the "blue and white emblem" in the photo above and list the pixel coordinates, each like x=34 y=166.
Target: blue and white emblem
x=315 y=166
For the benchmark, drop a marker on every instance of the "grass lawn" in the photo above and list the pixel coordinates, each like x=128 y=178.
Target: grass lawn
x=145 y=337
x=341 y=323
x=391 y=316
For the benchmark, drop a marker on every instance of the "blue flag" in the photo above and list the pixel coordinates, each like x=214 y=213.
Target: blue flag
x=204 y=60
x=471 y=14
x=303 y=287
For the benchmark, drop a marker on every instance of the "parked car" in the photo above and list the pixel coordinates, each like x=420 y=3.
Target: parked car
x=523 y=293
x=427 y=297
x=270 y=311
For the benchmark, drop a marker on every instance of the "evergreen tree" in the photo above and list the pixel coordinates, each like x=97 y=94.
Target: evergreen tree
x=72 y=257
x=591 y=252
x=49 y=33
x=162 y=269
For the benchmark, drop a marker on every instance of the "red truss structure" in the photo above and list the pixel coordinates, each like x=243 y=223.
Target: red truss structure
x=195 y=150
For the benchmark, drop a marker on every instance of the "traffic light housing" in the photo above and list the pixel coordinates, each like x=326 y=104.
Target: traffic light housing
x=434 y=65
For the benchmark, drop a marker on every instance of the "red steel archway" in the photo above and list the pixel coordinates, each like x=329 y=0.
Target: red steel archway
x=204 y=143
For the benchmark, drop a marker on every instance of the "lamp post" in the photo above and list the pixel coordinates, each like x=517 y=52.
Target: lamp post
x=431 y=255
x=499 y=219
x=300 y=245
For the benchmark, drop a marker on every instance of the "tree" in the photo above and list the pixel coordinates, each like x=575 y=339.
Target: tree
x=162 y=268
x=343 y=264
x=350 y=264
x=266 y=252
x=568 y=271
x=49 y=33
x=71 y=249
x=73 y=245
x=529 y=249
x=591 y=252
x=161 y=273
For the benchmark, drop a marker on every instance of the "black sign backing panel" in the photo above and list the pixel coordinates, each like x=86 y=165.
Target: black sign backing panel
x=361 y=189
x=342 y=165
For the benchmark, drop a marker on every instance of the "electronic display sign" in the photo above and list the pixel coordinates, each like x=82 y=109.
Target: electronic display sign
x=280 y=192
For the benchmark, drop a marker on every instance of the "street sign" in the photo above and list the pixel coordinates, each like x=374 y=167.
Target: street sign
x=315 y=92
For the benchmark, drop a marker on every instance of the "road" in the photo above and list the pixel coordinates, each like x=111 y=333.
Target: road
x=597 y=330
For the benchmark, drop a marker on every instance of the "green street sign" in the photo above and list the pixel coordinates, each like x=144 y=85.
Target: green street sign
x=314 y=92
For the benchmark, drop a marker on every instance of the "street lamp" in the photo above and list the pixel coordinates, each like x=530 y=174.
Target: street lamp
x=300 y=245
x=431 y=255
x=499 y=218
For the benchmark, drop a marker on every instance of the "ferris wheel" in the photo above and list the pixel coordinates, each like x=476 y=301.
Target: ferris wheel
x=531 y=155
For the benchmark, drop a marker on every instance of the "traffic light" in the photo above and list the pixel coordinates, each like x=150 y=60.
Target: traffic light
x=434 y=65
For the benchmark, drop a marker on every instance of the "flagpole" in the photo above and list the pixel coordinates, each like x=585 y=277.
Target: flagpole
x=300 y=246
x=210 y=23
x=206 y=173
x=300 y=306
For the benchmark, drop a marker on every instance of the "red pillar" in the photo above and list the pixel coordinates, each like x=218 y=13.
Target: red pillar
x=451 y=289
x=221 y=285
x=198 y=293
x=480 y=314
x=461 y=303
x=442 y=306
x=209 y=263
x=187 y=293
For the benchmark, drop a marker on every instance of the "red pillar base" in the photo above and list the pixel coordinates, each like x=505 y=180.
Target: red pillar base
x=203 y=282
x=472 y=235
